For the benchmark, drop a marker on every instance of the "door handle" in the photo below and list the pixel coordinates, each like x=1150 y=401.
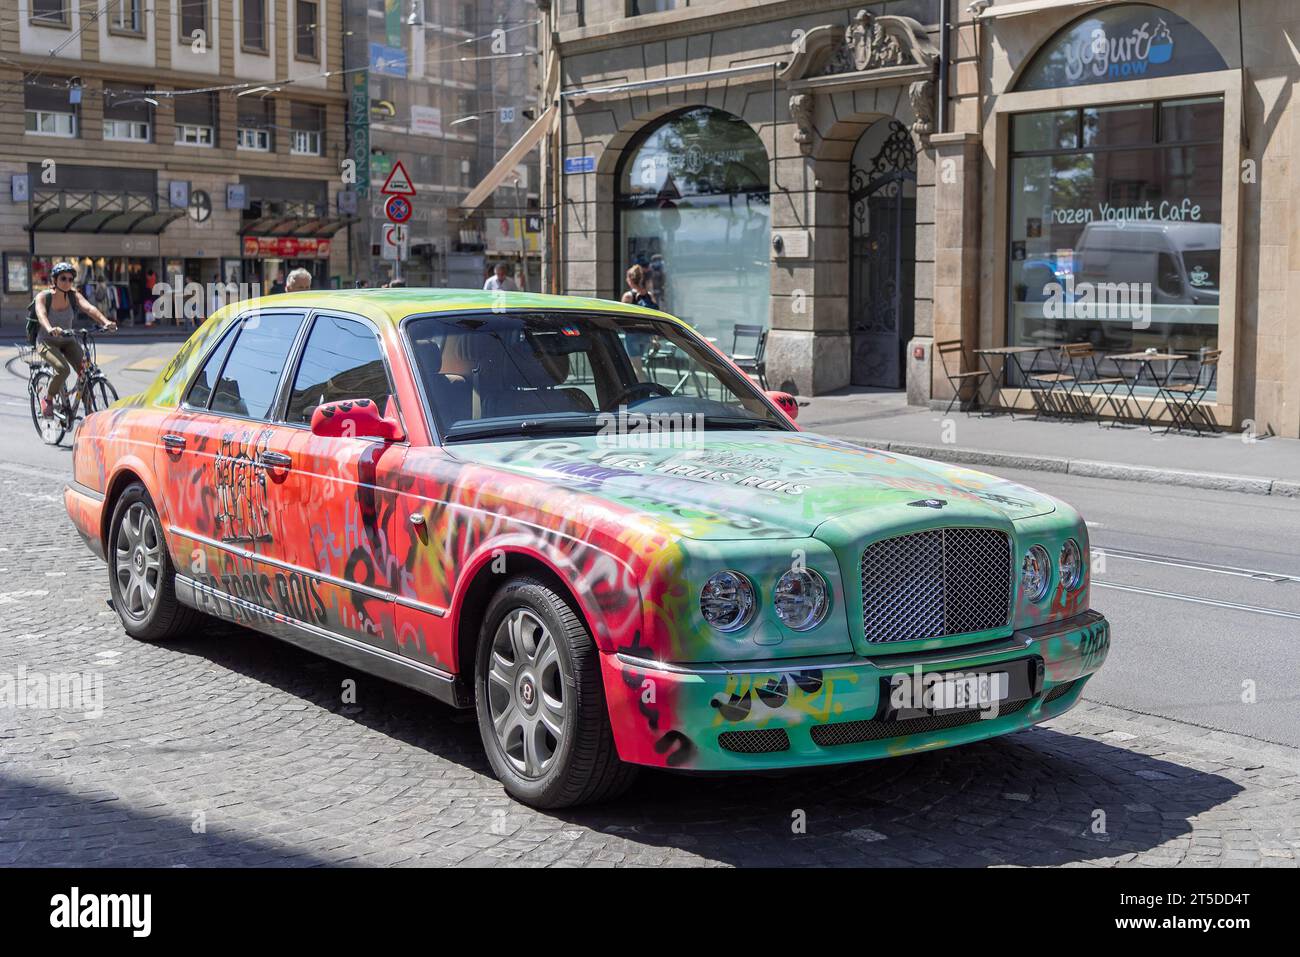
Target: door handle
x=275 y=460
x=173 y=442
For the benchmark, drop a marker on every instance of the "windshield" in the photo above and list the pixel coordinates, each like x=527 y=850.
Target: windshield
x=528 y=373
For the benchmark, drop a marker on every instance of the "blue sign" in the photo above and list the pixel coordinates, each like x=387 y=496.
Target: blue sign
x=178 y=192
x=390 y=61
x=579 y=164
x=236 y=196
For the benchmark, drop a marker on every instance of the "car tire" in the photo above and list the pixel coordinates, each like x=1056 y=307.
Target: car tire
x=140 y=572
x=537 y=679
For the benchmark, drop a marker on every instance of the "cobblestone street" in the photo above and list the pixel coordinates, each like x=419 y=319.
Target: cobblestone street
x=229 y=748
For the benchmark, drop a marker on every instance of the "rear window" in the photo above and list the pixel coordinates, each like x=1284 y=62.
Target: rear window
x=252 y=371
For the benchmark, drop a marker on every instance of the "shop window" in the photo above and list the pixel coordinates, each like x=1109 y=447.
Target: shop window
x=254 y=25
x=306 y=31
x=694 y=213
x=1116 y=242
x=47 y=110
x=341 y=360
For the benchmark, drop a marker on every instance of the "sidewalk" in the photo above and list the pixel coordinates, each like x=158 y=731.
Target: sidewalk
x=15 y=331
x=1236 y=462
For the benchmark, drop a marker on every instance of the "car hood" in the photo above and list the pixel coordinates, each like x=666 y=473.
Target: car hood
x=755 y=484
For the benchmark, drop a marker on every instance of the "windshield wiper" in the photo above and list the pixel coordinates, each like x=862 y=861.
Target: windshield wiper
x=496 y=430
x=740 y=422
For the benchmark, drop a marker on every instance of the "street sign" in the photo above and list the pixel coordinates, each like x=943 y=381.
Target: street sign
x=398 y=182
x=397 y=242
x=398 y=209
x=533 y=224
x=579 y=164
x=506 y=115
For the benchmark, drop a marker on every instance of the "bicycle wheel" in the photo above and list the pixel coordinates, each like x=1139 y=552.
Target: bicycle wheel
x=100 y=394
x=49 y=428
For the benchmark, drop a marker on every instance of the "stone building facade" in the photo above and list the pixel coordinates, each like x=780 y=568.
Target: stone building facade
x=937 y=171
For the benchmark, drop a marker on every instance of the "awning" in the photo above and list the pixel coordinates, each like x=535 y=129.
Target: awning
x=92 y=211
x=514 y=156
x=1020 y=7
x=297 y=220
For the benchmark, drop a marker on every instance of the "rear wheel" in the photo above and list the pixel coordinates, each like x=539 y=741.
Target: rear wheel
x=140 y=571
x=49 y=427
x=541 y=701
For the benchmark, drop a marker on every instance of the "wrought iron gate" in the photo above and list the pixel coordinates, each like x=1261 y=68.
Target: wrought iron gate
x=882 y=259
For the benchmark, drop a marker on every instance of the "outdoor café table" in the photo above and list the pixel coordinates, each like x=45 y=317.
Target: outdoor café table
x=1146 y=361
x=1013 y=354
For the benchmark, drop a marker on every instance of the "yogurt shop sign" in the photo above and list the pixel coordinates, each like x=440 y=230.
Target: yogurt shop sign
x=1128 y=42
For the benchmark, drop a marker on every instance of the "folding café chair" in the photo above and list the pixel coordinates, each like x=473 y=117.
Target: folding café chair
x=1184 y=399
x=958 y=380
x=751 y=361
x=1094 y=381
x=1062 y=378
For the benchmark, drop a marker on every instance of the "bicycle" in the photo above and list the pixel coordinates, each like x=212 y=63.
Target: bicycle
x=93 y=391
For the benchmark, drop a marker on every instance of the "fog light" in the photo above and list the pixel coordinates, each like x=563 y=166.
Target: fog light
x=727 y=601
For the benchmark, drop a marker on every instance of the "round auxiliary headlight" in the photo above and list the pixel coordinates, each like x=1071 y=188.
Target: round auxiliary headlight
x=801 y=599
x=1036 y=574
x=1070 y=565
x=727 y=601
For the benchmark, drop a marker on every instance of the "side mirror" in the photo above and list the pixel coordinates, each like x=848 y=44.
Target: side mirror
x=786 y=402
x=357 y=419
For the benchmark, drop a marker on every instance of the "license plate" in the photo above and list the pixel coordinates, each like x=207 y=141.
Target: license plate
x=916 y=694
x=970 y=691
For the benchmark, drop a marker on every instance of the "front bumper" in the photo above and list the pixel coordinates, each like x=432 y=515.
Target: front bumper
x=804 y=712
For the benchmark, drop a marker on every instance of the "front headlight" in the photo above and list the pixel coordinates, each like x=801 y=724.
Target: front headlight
x=801 y=599
x=1070 y=565
x=727 y=601
x=1036 y=573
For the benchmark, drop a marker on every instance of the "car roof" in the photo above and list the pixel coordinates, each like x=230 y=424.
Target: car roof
x=395 y=305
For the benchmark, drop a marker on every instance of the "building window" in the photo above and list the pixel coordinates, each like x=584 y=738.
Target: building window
x=636 y=8
x=307 y=123
x=259 y=141
x=254 y=25
x=126 y=17
x=306 y=31
x=256 y=119
x=47 y=112
x=694 y=212
x=128 y=116
x=1114 y=226
x=196 y=119
x=194 y=19
x=50 y=13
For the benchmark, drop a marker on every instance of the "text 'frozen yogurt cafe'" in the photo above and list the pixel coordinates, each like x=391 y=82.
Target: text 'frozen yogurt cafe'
x=938 y=195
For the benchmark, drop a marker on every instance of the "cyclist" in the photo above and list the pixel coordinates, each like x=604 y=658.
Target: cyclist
x=56 y=309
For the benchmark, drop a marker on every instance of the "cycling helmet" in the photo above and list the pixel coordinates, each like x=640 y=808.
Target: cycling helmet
x=62 y=268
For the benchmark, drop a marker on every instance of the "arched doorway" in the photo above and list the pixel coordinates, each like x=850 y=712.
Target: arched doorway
x=694 y=212
x=882 y=253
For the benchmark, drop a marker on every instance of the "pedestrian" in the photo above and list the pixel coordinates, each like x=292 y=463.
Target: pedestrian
x=299 y=281
x=56 y=309
x=500 y=281
x=398 y=283
x=277 y=287
x=637 y=294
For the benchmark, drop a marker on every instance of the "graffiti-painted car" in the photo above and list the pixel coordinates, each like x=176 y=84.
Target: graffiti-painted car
x=582 y=520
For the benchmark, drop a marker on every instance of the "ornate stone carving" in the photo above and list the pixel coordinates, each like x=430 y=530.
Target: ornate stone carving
x=921 y=93
x=865 y=46
x=801 y=111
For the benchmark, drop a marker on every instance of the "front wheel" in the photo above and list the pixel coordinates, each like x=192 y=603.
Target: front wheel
x=100 y=394
x=541 y=701
x=140 y=571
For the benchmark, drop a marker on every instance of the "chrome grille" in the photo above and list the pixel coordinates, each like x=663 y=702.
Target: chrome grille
x=945 y=581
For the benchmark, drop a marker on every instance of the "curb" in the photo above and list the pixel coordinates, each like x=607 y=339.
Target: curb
x=1246 y=484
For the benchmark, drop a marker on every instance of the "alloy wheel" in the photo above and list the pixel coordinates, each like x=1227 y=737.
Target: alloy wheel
x=525 y=686
x=139 y=561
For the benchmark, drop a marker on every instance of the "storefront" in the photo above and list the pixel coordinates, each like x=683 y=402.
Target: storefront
x=1116 y=196
x=287 y=224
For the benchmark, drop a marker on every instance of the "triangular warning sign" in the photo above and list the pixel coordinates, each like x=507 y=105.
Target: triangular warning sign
x=398 y=183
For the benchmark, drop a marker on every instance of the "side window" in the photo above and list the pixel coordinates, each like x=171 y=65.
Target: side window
x=342 y=360
x=252 y=372
x=201 y=387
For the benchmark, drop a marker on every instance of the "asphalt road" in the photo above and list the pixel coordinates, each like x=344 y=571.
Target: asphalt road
x=1202 y=588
